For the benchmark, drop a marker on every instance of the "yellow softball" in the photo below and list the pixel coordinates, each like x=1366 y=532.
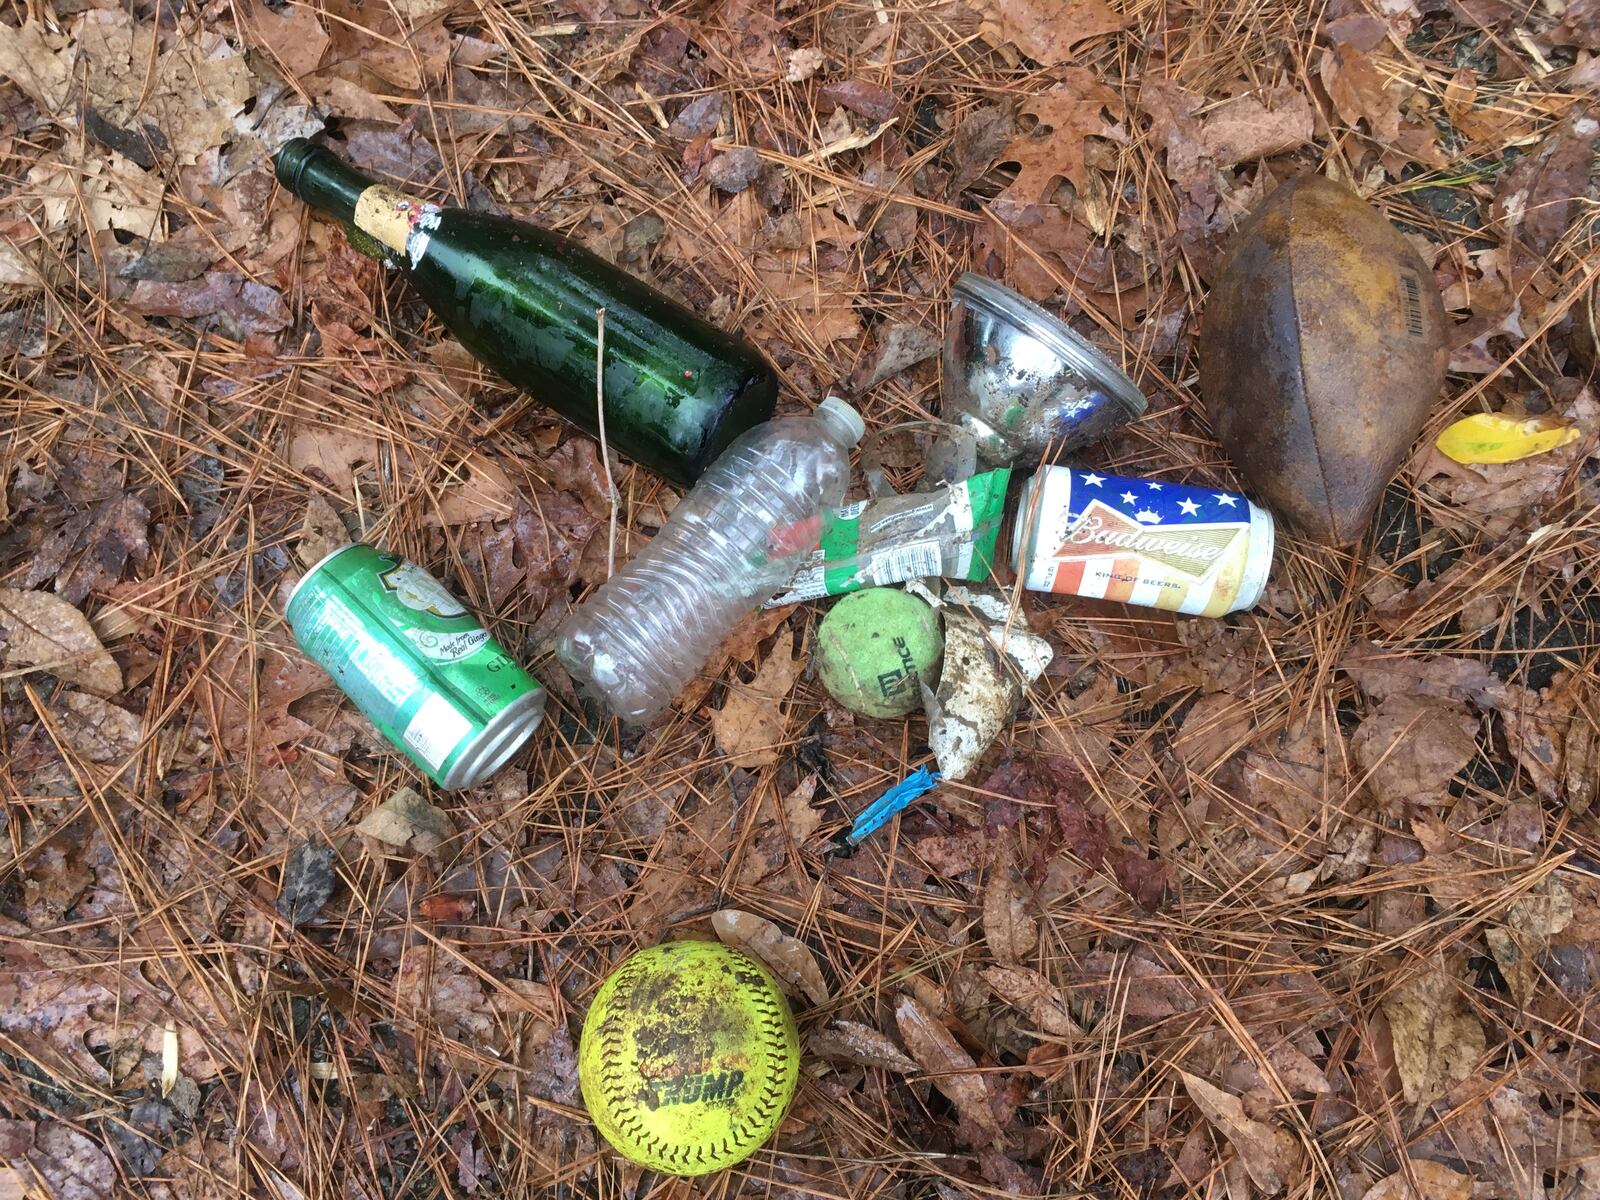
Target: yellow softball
x=689 y=1057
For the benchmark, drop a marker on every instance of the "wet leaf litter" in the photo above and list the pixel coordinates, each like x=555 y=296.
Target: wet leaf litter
x=1294 y=900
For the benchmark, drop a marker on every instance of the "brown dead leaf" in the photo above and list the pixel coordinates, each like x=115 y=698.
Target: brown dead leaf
x=1539 y=196
x=1270 y=1154
x=246 y=690
x=434 y=986
x=820 y=303
x=850 y=1041
x=698 y=118
x=976 y=146
x=96 y=729
x=321 y=533
x=1009 y=930
x=1437 y=1039
x=860 y=96
x=1553 y=737
x=1054 y=150
x=109 y=192
x=405 y=820
x=1485 y=121
x=1135 y=985
x=1433 y=1181
x=1247 y=127
x=45 y=633
x=66 y=1163
x=1014 y=239
x=752 y=725
x=1147 y=880
x=1202 y=140
x=1383 y=673
x=899 y=346
x=1580 y=26
x=799 y=817
x=1047 y=31
x=402 y=44
x=1524 y=936
x=361 y=359
x=1297 y=1072
x=948 y=1066
x=339 y=454
x=31 y=57
x=789 y=959
x=182 y=100
x=117 y=533
x=1291 y=777
x=1035 y=995
x=242 y=305
x=806 y=229
x=292 y=35
x=1214 y=729
x=1360 y=91
x=1409 y=749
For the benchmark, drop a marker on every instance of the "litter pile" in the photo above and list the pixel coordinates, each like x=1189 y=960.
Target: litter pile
x=987 y=598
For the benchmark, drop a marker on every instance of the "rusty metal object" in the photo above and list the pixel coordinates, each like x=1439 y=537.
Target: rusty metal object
x=1323 y=350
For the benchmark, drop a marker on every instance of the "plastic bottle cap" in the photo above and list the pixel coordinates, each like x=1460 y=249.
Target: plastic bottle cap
x=842 y=417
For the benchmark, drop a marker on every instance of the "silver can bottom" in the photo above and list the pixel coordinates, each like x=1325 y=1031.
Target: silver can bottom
x=501 y=738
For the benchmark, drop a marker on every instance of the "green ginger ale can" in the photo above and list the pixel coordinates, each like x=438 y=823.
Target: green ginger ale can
x=421 y=667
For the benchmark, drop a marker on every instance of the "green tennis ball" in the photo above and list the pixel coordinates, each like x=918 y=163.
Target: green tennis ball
x=875 y=647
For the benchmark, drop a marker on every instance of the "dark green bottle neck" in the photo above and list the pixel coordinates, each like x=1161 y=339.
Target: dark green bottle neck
x=321 y=179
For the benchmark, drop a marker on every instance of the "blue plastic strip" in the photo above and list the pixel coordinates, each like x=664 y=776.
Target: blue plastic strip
x=876 y=815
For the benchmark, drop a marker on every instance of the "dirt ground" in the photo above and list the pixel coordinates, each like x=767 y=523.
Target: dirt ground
x=1302 y=901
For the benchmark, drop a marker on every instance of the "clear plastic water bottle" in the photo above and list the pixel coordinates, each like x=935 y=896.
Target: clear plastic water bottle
x=728 y=547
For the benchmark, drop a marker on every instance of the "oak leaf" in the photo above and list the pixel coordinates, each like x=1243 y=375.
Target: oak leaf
x=1047 y=31
x=1054 y=150
x=751 y=725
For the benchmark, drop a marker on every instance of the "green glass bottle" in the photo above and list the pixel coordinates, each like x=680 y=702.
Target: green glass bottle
x=523 y=300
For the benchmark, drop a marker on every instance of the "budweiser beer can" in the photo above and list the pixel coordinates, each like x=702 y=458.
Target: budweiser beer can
x=1141 y=541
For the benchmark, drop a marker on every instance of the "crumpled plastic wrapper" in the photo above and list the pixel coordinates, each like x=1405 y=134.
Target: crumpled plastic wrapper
x=990 y=656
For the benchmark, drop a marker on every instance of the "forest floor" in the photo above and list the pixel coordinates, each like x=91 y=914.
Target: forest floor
x=1301 y=901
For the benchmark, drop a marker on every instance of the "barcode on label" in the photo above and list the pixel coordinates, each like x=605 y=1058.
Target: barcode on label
x=436 y=730
x=1411 y=301
x=899 y=563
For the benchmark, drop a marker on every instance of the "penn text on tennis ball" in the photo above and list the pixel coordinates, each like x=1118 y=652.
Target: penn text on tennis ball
x=689 y=1057
x=875 y=648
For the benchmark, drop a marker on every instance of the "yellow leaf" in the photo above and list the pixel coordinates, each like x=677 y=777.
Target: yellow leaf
x=1495 y=438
